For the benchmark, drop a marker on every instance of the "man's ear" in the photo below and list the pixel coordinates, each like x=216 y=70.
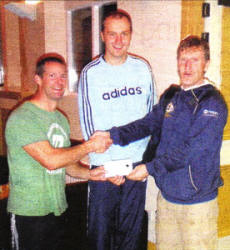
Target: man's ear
x=38 y=79
x=206 y=66
x=102 y=36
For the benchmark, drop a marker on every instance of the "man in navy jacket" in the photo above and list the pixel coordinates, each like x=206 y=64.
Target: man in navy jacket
x=186 y=166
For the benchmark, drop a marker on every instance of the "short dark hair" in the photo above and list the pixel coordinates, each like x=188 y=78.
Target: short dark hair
x=194 y=41
x=117 y=14
x=45 y=58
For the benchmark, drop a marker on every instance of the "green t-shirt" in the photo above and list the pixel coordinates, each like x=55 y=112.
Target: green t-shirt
x=35 y=190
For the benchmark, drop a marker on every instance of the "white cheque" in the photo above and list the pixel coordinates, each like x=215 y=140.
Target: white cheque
x=118 y=167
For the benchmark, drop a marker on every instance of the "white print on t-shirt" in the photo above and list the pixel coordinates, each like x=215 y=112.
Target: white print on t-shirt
x=56 y=171
x=56 y=136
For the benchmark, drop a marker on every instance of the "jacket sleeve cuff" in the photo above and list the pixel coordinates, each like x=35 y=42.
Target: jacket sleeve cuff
x=114 y=135
x=156 y=167
x=150 y=167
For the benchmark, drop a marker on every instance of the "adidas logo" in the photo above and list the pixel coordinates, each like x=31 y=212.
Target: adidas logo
x=123 y=92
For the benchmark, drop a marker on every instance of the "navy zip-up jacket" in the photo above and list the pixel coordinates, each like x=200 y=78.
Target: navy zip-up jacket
x=186 y=167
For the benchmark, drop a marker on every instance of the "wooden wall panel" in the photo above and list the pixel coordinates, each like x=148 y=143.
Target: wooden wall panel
x=225 y=65
x=11 y=48
x=151 y=246
x=192 y=22
x=223 y=201
x=32 y=45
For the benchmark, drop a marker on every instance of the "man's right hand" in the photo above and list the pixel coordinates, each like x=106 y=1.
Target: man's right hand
x=100 y=141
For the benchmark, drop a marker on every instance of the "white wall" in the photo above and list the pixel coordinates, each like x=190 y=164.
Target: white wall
x=156 y=35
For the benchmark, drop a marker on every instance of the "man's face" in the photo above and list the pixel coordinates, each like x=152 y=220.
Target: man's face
x=192 y=66
x=53 y=82
x=116 y=36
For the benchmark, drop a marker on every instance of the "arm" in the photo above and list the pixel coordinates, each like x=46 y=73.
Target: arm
x=138 y=129
x=53 y=158
x=97 y=174
x=25 y=133
x=78 y=171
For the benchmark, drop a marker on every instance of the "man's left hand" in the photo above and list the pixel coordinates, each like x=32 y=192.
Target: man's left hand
x=139 y=173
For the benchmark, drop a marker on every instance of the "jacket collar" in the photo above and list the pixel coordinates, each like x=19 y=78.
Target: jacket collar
x=205 y=82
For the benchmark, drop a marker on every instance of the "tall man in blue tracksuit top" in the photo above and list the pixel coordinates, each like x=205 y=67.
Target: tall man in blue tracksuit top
x=187 y=163
x=113 y=90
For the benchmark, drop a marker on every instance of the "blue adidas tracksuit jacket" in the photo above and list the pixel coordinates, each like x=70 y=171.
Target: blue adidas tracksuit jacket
x=186 y=166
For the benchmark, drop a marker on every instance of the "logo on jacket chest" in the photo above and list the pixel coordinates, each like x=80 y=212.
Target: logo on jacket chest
x=169 y=109
x=116 y=93
x=211 y=113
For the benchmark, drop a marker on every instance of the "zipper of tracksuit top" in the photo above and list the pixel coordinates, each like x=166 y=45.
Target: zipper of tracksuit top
x=197 y=101
x=194 y=111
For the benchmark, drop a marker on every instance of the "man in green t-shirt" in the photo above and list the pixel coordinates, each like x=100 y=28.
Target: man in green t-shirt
x=39 y=156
